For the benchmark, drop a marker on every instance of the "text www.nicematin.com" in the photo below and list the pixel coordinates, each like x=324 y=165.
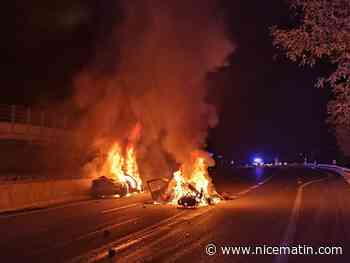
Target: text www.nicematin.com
x=212 y=249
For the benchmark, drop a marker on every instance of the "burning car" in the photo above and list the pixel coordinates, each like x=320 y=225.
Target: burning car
x=193 y=198
x=189 y=187
x=159 y=190
x=188 y=201
x=119 y=170
x=104 y=186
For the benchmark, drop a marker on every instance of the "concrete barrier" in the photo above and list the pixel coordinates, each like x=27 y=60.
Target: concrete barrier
x=36 y=194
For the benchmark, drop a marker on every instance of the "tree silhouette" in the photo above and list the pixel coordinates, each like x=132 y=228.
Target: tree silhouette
x=323 y=34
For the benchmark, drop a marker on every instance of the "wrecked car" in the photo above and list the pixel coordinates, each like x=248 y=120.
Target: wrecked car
x=188 y=201
x=104 y=187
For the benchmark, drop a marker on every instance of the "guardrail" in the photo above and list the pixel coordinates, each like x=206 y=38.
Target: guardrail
x=343 y=171
x=334 y=168
x=32 y=116
x=26 y=137
x=30 y=124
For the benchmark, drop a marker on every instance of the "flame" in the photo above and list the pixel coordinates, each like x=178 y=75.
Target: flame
x=116 y=162
x=123 y=169
x=122 y=165
x=132 y=168
x=178 y=188
x=200 y=176
x=192 y=179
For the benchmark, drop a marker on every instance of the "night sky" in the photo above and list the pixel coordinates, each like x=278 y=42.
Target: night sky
x=272 y=108
x=268 y=105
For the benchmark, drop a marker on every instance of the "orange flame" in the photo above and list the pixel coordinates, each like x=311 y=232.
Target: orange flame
x=193 y=179
x=123 y=167
x=178 y=188
x=115 y=161
x=131 y=167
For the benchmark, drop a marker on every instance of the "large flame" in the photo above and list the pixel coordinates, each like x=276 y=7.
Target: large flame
x=122 y=165
x=193 y=180
x=123 y=169
x=131 y=167
x=115 y=163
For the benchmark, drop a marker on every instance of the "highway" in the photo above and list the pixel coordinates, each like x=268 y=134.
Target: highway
x=270 y=208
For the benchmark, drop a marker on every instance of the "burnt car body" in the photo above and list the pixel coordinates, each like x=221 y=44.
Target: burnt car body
x=104 y=187
x=188 y=201
x=191 y=199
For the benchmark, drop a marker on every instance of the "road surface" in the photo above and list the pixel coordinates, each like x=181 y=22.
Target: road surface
x=272 y=208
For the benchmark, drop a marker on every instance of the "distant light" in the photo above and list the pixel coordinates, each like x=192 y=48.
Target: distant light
x=232 y=162
x=258 y=161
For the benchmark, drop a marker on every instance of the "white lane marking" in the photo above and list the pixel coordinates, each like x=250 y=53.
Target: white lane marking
x=289 y=234
x=47 y=208
x=39 y=209
x=81 y=237
x=130 y=239
x=151 y=231
x=109 y=227
x=246 y=191
x=157 y=235
x=119 y=208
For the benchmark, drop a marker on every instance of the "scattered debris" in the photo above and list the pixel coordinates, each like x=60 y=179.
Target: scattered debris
x=157 y=188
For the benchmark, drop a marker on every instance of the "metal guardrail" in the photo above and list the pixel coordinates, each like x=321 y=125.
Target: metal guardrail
x=339 y=169
x=343 y=171
x=31 y=116
x=22 y=129
x=30 y=124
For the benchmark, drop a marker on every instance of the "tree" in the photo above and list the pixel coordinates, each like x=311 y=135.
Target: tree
x=323 y=35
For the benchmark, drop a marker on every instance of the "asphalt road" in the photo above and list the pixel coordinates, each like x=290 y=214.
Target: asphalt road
x=272 y=208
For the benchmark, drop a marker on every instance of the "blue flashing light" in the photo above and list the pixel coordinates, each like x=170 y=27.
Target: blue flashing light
x=258 y=160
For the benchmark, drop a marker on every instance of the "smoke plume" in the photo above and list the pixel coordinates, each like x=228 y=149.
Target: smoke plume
x=153 y=71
